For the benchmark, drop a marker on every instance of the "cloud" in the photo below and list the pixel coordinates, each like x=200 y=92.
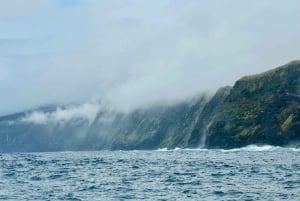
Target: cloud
x=3 y=73
x=86 y=111
x=135 y=53
x=17 y=8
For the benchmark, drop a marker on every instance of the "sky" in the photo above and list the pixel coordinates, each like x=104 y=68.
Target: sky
x=133 y=53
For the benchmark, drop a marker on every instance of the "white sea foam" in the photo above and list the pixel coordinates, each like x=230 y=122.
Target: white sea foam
x=162 y=149
x=249 y=148
x=252 y=148
x=295 y=149
x=182 y=149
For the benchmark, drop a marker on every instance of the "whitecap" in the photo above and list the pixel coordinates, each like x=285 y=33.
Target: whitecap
x=162 y=149
x=252 y=148
x=294 y=149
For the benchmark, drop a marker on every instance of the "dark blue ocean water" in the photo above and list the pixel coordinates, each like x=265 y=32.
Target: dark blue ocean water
x=251 y=173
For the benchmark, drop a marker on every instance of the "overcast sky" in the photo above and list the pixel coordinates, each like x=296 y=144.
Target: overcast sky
x=134 y=52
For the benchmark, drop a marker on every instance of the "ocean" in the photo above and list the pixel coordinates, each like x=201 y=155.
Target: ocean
x=250 y=173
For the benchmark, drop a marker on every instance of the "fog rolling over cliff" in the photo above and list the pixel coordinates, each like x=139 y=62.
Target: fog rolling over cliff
x=94 y=126
x=259 y=109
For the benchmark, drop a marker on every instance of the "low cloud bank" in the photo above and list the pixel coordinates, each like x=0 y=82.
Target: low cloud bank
x=87 y=111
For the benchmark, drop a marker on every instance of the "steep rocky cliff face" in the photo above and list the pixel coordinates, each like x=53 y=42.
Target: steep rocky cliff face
x=159 y=127
x=150 y=128
x=207 y=117
x=259 y=109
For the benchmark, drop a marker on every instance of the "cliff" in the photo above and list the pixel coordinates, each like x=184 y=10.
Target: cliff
x=148 y=128
x=258 y=109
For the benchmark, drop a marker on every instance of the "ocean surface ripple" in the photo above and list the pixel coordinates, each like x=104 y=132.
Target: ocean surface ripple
x=251 y=173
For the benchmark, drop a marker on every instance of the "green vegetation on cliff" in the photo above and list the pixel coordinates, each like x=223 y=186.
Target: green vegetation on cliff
x=260 y=109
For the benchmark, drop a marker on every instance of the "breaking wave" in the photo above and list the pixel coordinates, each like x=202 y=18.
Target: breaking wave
x=249 y=148
x=253 y=148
